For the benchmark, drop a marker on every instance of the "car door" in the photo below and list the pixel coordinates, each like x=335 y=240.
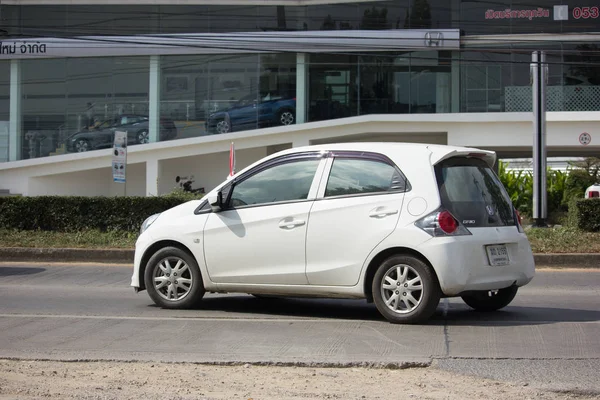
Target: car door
x=260 y=236
x=105 y=135
x=245 y=115
x=358 y=205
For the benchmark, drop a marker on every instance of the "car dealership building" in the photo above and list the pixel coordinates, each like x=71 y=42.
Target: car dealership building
x=186 y=78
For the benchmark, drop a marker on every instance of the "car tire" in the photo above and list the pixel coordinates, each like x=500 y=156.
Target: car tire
x=82 y=145
x=286 y=117
x=487 y=300
x=405 y=290
x=173 y=279
x=142 y=137
x=222 y=126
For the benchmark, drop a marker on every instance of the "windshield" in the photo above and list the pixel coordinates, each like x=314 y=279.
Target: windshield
x=472 y=192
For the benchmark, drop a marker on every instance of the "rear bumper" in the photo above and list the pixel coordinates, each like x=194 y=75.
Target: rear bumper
x=461 y=263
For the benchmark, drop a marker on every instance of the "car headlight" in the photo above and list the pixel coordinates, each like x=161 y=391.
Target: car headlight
x=148 y=222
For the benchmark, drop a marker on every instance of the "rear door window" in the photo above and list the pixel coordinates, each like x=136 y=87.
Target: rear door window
x=472 y=192
x=361 y=176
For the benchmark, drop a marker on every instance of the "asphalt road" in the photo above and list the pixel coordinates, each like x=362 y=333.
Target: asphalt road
x=549 y=337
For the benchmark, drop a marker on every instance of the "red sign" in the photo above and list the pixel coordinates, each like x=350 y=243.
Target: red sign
x=586 y=12
x=518 y=14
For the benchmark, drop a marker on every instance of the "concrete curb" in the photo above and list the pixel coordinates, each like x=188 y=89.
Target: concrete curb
x=568 y=260
x=125 y=256
x=119 y=256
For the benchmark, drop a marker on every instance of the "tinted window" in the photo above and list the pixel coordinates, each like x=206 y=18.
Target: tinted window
x=204 y=207
x=471 y=191
x=355 y=176
x=282 y=182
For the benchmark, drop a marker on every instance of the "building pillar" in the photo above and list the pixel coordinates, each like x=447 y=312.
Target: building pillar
x=301 y=87
x=152 y=175
x=154 y=99
x=300 y=141
x=14 y=129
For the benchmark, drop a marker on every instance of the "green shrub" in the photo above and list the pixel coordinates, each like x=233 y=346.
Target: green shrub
x=584 y=214
x=70 y=214
x=519 y=185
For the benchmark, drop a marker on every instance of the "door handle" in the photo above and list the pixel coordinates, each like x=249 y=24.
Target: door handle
x=381 y=212
x=290 y=223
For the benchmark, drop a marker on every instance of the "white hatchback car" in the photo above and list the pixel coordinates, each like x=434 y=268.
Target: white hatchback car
x=397 y=224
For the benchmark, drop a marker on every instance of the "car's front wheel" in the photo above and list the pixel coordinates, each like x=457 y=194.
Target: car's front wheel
x=405 y=290
x=173 y=279
x=490 y=300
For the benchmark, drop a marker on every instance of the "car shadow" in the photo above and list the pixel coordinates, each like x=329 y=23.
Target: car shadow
x=16 y=271
x=292 y=307
x=454 y=315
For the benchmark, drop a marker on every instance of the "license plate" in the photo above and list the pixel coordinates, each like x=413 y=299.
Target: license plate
x=497 y=255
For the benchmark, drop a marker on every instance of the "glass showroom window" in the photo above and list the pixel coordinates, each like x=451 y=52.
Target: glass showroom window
x=215 y=94
x=4 y=108
x=408 y=83
x=76 y=104
x=43 y=106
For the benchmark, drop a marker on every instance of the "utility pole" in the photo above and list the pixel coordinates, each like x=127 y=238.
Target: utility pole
x=539 y=80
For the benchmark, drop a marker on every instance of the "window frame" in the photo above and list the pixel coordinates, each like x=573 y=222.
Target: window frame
x=285 y=159
x=358 y=155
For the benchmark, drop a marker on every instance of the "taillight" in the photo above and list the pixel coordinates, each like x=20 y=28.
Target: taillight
x=447 y=222
x=519 y=221
x=442 y=223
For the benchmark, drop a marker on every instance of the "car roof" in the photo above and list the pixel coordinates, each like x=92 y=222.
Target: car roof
x=405 y=150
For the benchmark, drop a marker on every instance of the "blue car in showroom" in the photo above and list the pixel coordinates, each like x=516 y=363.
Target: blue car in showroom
x=252 y=112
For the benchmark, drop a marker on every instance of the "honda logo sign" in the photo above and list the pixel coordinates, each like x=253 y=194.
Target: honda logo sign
x=433 y=39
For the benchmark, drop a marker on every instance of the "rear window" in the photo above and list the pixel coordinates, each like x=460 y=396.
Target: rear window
x=472 y=192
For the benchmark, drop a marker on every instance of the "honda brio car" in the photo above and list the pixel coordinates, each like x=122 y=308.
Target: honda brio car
x=400 y=225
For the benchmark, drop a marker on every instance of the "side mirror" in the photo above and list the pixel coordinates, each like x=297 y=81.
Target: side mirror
x=216 y=201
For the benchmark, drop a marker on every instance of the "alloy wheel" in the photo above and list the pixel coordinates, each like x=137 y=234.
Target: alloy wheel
x=82 y=145
x=402 y=288
x=286 y=118
x=143 y=137
x=223 y=126
x=172 y=279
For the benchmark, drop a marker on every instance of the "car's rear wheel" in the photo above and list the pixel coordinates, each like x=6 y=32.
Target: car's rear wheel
x=286 y=117
x=405 y=290
x=490 y=300
x=223 y=126
x=173 y=279
x=143 y=137
x=82 y=145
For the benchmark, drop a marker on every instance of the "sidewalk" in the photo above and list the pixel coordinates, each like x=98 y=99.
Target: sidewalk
x=125 y=256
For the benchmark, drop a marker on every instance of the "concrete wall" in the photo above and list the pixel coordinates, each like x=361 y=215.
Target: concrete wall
x=95 y=182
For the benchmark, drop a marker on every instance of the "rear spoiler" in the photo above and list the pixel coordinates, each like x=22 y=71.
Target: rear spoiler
x=438 y=155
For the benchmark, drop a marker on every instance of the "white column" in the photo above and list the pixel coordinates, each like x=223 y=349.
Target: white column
x=14 y=130
x=154 y=99
x=301 y=87
x=300 y=141
x=152 y=174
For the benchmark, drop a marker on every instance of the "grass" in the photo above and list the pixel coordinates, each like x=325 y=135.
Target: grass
x=563 y=240
x=550 y=240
